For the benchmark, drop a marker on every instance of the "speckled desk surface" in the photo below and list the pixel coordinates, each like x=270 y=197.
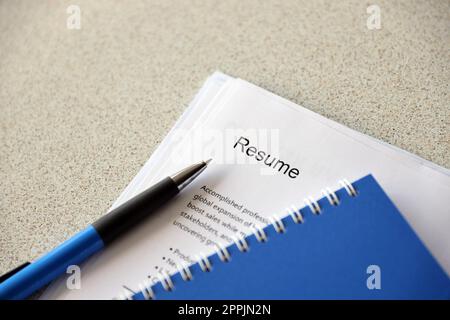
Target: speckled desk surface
x=82 y=110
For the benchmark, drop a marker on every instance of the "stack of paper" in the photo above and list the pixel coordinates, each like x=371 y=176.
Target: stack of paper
x=268 y=154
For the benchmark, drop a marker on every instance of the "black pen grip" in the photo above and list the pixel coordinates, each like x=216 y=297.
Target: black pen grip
x=122 y=218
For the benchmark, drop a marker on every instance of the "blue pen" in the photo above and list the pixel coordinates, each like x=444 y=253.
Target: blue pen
x=25 y=280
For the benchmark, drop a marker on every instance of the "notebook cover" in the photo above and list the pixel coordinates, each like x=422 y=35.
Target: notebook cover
x=360 y=249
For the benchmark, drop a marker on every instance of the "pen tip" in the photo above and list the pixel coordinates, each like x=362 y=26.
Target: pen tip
x=207 y=161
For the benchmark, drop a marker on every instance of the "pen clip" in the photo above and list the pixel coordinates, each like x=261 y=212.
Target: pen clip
x=13 y=271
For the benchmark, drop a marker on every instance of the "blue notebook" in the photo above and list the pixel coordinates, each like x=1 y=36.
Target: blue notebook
x=359 y=248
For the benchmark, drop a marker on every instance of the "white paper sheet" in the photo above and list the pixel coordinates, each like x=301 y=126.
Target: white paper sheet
x=324 y=152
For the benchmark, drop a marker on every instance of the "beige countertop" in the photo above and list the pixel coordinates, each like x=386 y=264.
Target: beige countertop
x=82 y=110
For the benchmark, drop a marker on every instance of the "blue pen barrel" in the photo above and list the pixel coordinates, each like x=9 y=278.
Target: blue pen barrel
x=50 y=266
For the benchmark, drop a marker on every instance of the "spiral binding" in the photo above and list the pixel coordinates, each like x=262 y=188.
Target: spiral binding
x=241 y=243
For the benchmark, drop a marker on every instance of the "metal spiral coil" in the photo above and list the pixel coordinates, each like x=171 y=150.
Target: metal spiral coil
x=241 y=243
